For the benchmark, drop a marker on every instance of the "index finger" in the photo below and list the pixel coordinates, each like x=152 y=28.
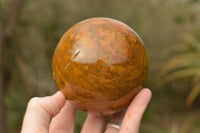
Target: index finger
x=40 y=111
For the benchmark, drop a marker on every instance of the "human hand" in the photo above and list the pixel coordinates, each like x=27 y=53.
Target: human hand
x=55 y=114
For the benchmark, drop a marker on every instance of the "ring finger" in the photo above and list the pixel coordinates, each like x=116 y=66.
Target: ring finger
x=114 y=124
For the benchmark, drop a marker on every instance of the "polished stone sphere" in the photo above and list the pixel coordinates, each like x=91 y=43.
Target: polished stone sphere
x=100 y=64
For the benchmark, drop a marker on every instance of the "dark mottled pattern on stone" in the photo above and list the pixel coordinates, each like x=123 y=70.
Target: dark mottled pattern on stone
x=100 y=64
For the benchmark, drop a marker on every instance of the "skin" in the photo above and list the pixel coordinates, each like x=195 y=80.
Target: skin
x=55 y=114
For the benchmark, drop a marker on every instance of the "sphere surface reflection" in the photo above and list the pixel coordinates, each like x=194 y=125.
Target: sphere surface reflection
x=100 y=64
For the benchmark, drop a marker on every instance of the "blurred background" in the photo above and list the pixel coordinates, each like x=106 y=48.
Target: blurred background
x=30 y=30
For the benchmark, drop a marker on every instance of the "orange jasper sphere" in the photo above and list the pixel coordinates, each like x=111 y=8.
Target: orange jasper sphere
x=100 y=64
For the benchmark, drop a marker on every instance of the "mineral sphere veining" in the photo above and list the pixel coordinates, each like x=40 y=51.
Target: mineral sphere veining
x=100 y=64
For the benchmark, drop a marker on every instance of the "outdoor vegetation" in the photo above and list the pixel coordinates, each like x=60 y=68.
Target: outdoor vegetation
x=170 y=30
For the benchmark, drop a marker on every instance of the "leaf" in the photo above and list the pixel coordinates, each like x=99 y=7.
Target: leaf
x=179 y=47
x=181 y=66
x=180 y=74
x=196 y=79
x=192 y=95
x=193 y=41
x=180 y=62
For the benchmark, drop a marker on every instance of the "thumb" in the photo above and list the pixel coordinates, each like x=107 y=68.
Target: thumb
x=39 y=112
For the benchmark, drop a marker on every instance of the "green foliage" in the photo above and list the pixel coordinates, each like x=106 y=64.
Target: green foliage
x=186 y=64
x=160 y=24
x=79 y=120
x=193 y=1
x=179 y=19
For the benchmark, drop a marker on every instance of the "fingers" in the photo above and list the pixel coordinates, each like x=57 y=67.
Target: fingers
x=133 y=116
x=94 y=124
x=64 y=121
x=39 y=112
x=117 y=118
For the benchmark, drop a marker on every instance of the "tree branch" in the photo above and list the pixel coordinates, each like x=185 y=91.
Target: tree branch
x=15 y=8
x=1 y=21
x=0 y=6
x=5 y=34
x=2 y=106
